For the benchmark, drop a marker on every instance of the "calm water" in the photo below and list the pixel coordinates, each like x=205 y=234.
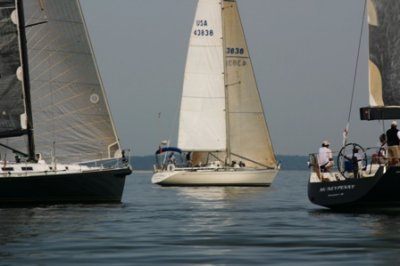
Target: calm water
x=200 y=226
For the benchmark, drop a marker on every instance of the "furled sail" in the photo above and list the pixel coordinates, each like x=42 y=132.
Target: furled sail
x=202 y=115
x=249 y=138
x=384 y=60
x=12 y=108
x=70 y=111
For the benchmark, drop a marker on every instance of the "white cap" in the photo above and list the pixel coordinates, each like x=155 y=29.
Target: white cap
x=325 y=143
x=394 y=123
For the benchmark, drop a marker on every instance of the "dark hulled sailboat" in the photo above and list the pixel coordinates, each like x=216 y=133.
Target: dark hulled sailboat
x=377 y=183
x=58 y=142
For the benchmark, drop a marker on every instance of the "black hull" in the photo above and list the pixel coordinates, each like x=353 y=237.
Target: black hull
x=100 y=186
x=379 y=191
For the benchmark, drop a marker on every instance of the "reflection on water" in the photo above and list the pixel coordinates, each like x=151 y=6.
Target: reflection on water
x=219 y=195
x=10 y=218
x=27 y=227
x=214 y=206
x=374 y=232
x=385 y=230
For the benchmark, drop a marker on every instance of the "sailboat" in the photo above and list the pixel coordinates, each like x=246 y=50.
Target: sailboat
x=371 y=181
x=58 y=142
x=223 y=137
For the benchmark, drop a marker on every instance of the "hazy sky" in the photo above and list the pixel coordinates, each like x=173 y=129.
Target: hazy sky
x=303 y=52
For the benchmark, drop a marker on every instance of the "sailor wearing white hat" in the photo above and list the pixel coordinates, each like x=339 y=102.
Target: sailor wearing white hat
x=325 y=159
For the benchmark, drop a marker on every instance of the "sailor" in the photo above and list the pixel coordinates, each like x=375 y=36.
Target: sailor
x=325 y=159
x=124 y=159
x=40 y=159
x=171 y=159
x=189 y=159
x=393 y=141
x=356 y=159
x=234 y=164
x=379 y=157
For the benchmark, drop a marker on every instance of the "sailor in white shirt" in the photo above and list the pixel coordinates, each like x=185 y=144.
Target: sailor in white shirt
x=325 y=159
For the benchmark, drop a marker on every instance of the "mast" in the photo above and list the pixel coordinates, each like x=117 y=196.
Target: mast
x=26 y=79
x=227 y=124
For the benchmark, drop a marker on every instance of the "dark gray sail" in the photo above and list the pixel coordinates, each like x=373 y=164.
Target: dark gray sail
x=71 y=117
x=384 y=65
x=12 y=108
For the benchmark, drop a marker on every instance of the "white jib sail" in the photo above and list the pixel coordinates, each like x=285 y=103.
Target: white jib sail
x=202 y=124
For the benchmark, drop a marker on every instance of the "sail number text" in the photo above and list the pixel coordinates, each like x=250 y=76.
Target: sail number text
x=234 y=51
x=236 y=62
x=203 y=33
x=235 y=57
x=202 y=28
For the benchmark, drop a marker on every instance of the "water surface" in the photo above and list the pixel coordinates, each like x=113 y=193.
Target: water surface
x=200 y=226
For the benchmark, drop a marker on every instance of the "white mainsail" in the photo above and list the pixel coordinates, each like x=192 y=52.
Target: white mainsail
x=221 y=108
x=70 y=110
x=202 y=114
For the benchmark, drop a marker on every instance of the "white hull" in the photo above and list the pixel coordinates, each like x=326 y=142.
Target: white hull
x=215 y=177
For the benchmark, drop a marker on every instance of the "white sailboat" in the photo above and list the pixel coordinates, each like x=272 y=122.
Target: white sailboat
x=58 y=142
x=222 y=127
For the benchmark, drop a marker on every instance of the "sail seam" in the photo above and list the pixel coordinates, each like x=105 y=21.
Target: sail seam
x=242 y=57
x=200 y=97
x=246 y=112
x=205 y=45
